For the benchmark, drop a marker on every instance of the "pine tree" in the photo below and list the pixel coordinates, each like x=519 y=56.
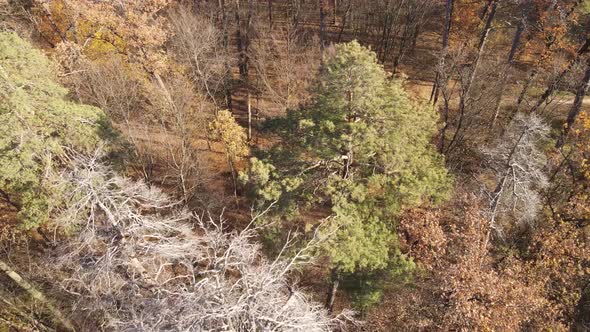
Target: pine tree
x=39 y=126
x=362 y=148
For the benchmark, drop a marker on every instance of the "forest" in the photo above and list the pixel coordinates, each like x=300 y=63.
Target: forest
x=294 y=165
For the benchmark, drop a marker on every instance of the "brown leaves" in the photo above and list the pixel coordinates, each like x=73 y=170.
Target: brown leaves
x=465 y=284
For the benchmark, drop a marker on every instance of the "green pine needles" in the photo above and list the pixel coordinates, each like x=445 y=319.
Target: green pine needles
x=38 y=125
x=360 y=150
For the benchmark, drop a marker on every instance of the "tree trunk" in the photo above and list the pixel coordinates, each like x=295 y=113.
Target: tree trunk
x=240 y=43
x=227 y=76
x=249 y=117
x=344 y=19
x=322 y=30
x=443 y=54
x=509 y=64
x=582 y=318
x=555 y=82
x=464 y=98
x=331 y=295
x=270 y=14
x=445 y=118
x=334 y=11
x=576 y=107
x=37 y=295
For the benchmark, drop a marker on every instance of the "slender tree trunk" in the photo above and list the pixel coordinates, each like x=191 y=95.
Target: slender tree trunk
x=582 y=318
x=344 y=20
x=555 y=82
x=334 y=11
x=240 y=42
x=322 y=30
x=331 y=296
x=249 y=117
x=443 y=54
x=232 y=169
x=270 y=14
x=445 y=118
x=227 y=76
x=485 y=10
x=576 y=107
x=37 y=295
x=509 y=65
x=525 y=88
x=464 y=98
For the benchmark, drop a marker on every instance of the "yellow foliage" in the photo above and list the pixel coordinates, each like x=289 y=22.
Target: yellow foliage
x=233 y=137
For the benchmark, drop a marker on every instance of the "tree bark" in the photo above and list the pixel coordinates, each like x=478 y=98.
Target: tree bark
x=270 y=14
x=582 y=318
x=464 y=98
x=240 y=44
x=445 y=45
x=555 y=82
x=322 y=30
x=510 y=62
x=227 y=76
x=249 y=117
x=344 y=19
x=576 y=107
x=331 y=296
x=37 y=295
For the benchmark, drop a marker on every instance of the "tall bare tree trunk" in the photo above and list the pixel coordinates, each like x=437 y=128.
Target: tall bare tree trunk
x=249 y=102
x=555 y=82
x=510 y=62
x=576 y=107
x=240 y=42
x=344 y=20
x=270 y=14
x=443 y=54
x=227 y=76
x=37 y=295
x=331 y=296
x=464 y=98
x=322 y=30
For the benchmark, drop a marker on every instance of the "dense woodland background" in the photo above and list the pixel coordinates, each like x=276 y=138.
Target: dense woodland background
x=355 y=165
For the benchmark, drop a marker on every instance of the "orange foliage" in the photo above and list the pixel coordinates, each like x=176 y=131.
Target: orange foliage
x=134 y=29
x=464 y=284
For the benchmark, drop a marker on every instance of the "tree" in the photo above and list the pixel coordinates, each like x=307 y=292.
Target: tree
x=198 y=44
x=39 y=125
x=362 y=148
x=464 y=284
x=134 y=245
x=577 y=105
x=182 y=116
x=233 y=137
x=517 y=163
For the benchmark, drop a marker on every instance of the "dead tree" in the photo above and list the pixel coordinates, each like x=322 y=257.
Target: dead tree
x=517 y=163
x=37 y=295
x=322 y=29
x=142 y=262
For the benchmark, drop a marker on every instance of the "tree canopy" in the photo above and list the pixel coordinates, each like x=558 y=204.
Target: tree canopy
x=39 y=126
x=361 y=148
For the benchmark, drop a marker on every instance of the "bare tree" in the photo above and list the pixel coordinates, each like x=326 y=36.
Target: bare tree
x=517 y=164
x=199 y=44
x=285 y=63
x=138 y=263
x=118 y=89
x=182 y=115
x=465 y=97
